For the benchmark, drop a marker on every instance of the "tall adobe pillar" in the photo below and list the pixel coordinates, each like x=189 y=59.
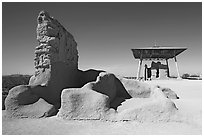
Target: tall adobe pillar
x=55 y=44
x=56 y=57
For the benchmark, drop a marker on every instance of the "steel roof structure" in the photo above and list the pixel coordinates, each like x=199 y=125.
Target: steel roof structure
x=157 y=52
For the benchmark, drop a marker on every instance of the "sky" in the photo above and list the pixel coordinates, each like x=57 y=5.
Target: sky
x=105 y=33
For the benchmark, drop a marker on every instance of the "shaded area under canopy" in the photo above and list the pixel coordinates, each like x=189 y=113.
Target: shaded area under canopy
x=157 y=52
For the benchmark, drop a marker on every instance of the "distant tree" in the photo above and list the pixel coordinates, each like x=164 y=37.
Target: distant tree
x=10 y=81
x=186 y=75
x=195 y=75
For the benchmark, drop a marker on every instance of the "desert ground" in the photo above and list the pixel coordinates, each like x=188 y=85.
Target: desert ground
x=189 y=119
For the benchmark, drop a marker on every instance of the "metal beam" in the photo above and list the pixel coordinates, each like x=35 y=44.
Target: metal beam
x=168 y=75
x=139 y=69
x=178 y=75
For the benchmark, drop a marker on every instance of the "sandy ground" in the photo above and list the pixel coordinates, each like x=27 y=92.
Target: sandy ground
x=189 y=104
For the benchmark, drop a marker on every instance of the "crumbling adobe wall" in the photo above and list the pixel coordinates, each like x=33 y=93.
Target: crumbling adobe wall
x=93 y=94
x=56 y=48
x=55 y=44
x=56 y=68
x=56 y=58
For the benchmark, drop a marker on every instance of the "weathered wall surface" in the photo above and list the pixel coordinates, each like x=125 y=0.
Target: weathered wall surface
x=56 y=57
x=55 y=44
x=56 y=47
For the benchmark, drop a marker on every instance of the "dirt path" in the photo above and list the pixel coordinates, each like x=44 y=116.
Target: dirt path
x=57 y=126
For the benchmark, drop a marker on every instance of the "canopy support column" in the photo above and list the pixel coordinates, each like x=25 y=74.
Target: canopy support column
x=168 y=75
x=177 y=68
x=139 y=69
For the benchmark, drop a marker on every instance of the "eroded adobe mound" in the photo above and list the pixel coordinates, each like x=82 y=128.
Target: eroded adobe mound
x=21 y=102
x=95 y=101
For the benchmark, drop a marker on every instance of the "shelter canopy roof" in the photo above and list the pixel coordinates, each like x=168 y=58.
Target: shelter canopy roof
x=157 y=52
